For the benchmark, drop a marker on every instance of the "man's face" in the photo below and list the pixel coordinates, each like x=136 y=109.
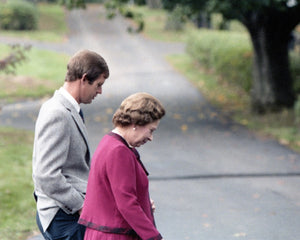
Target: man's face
x=90 y=91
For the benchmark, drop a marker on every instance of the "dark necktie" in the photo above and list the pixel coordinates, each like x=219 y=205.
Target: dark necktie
x=81 y=115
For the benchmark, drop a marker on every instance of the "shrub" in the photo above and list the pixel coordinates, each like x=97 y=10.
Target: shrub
x=16 y=56
x=18 y=15
x=176 y=19
x=228 y=54
x=295 y=70
x=297 y=110
x=135 y=16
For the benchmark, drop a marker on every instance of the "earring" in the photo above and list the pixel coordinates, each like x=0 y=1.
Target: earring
x=134 y=128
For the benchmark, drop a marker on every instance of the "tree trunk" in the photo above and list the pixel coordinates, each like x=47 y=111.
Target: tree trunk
x=203 y=20
x=272 y=87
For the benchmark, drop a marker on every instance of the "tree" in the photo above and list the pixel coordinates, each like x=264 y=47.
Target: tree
x=270 y=24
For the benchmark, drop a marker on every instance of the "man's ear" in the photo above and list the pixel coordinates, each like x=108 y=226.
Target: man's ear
x=83 y=78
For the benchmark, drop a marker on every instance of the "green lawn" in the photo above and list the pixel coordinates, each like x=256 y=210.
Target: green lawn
x=17 y=205
x=39 y=75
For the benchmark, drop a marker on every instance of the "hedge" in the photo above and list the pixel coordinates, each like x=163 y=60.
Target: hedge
x=18 y=15
x=228 y=54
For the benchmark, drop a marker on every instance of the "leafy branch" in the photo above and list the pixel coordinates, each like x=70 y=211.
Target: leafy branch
x=16 y=56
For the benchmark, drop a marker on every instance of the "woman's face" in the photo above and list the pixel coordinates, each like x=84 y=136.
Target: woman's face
x=142 y=134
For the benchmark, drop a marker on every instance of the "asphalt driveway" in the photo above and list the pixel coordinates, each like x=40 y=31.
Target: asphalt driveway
x=209 y=177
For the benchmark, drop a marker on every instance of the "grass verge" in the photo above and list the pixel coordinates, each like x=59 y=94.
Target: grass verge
x=17 y=205
x=234 y=101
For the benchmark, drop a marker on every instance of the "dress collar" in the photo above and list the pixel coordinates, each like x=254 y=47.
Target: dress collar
x=118 y=133
x=136 y=153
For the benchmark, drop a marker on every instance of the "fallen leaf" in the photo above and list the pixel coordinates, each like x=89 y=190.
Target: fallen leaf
x=184 y=127
x=176 y=116
x=97 y=119
x=213 y=115
x=201 y=116
x=244 y=122
x=206 y=225
x=109 y=110
x=242 y=234
x=256 y=196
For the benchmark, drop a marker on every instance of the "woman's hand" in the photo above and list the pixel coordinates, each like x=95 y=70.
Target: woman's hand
x=152 y=205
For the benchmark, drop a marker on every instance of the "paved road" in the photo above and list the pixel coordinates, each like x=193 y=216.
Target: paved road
x=210 y=178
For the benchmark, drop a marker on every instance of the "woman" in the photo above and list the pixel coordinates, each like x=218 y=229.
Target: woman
x=117 y=204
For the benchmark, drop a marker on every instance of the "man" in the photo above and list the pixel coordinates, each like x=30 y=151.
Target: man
x=61 y=155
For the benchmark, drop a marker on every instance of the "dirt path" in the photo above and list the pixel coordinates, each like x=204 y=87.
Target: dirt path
x=210 y=178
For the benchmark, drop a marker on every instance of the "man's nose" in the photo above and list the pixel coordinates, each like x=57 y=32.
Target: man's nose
x=99 y=90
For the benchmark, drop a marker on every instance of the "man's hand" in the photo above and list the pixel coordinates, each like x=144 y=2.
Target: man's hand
x=79 y=211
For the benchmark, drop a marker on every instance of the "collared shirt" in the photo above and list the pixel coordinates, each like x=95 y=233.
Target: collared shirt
x=70 y=98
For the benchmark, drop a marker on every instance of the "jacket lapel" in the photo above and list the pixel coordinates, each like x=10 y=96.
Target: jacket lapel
x=75 y=115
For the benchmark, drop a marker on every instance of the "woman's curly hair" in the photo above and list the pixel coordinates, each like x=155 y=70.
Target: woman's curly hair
x=140 y=109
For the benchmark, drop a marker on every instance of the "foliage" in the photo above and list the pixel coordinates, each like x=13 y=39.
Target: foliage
x=140 y=2
x=71 y=4
x=16 y=56
x=228 y=54
x=230 y=9
x=17 y=204
x=235 y=9
x=115 y=6
x=176 y=19
x=18 y=15
x=295 y=69
x=136 y=17
x=192 y=5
